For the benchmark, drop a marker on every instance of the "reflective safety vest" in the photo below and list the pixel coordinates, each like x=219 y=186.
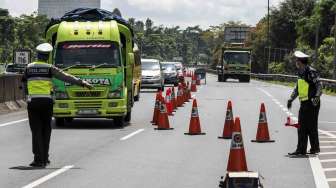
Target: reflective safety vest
x=303 y=89
x=39 y=80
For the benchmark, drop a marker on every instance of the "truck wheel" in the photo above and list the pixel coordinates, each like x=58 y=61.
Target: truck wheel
x=137 y=98
x=119 y=121
x=220 y=78
x=128 y=117
x=59 y=122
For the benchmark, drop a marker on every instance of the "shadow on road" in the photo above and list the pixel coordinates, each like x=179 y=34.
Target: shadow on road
x=34 y=168
x=90 y=124
x=301 y=156
x=148 y=91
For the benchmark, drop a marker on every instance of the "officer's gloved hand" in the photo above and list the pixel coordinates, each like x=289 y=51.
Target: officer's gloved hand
x=289 y=104
x=87 y=85
x=315 y=101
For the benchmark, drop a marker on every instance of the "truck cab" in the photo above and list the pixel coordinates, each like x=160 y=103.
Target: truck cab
x=100 y=52
x=233 y=62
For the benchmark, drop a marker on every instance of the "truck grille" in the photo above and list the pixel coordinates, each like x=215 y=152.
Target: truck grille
x=88 y=93
x=88 y=104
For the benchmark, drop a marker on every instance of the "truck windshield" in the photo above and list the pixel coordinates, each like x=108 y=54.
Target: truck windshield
x=150 y=65
x=102 y=54
x=236 y=57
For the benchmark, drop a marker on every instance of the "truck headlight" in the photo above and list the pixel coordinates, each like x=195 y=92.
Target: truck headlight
x=61 y=95
x=114 y=94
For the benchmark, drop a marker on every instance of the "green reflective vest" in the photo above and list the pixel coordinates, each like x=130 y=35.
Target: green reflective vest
x=303 y=89
x=39 y=79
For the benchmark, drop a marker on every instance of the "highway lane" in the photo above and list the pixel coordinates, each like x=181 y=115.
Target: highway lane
x=101 y=158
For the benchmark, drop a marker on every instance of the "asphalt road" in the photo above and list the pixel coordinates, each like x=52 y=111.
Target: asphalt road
x=95 y=153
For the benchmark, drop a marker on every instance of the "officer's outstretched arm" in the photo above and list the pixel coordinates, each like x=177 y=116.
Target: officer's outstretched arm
x=59 y=74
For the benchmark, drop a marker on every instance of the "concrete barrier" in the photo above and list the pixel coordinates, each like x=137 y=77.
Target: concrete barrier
x=11 y=88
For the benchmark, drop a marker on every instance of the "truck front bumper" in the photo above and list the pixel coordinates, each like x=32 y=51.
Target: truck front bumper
x=103 y=108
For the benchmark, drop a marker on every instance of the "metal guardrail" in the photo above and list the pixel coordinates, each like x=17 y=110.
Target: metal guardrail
x=327 y=83
x=10 y=88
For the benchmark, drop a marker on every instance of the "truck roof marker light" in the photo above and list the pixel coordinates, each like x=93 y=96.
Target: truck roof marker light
x=100 y=27
x=76 y=26
x=88 y=28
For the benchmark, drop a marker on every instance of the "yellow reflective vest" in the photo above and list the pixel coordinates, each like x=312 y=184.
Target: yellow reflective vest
x=39 y=80
x=303 y=89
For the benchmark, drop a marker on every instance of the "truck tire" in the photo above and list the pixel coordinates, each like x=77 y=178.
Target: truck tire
x=137 y=98
x=128 y=117
x=119 y=121
x=220 y=77
x=59 y=122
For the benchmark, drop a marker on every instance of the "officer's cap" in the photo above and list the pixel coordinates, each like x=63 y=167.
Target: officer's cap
x=44 y=48
x=301 y=55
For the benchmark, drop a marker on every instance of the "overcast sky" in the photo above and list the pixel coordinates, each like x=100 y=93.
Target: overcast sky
x=172 y=12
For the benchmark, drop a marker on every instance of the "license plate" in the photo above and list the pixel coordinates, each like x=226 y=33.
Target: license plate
x=87 y=112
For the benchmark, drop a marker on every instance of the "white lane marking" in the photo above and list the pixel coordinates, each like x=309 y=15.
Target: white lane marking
x=327 y=133
x=315 y=164
x=327 y=147
x=331 y=179
x=48 y=177
x=132 y=134
x=327 y=153
x=329 y=169
x=328 y=160
x=13 y=122
x=328 y=141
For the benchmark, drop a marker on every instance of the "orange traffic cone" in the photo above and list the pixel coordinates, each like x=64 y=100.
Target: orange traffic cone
x=179 y=95
x=193 y=84
x=262 y=132
x=194 y=125
x=163 y=122
x=289 y=123
x=188 y=90
x=168 y=101
x=228 y=125
x=185 y=92
x=237 y=158
x=173 y=99
x=156 y=109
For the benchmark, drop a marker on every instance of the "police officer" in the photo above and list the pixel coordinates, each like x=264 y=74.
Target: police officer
x=309 y=91
x=37 y=78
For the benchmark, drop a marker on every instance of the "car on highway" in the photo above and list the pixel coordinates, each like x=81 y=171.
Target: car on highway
x=152 y=74
x=180 y=69
x=13 y=69
x=170 y=73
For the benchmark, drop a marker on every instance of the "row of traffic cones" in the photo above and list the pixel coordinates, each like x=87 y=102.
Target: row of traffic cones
x=165 y=107
x=262 y=131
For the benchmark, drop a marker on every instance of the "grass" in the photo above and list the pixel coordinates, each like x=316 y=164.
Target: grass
x=292 y=85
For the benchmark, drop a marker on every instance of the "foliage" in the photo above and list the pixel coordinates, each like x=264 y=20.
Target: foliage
x=25 y=31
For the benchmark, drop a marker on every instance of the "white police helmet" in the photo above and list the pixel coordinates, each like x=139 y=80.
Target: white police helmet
x=44 y=48
x=301 y=55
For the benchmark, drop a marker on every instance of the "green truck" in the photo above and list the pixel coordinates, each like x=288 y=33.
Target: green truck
x=232 y=61
x=99 y=51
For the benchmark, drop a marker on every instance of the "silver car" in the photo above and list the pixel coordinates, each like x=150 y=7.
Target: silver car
x=151 y=74
x=170 y=73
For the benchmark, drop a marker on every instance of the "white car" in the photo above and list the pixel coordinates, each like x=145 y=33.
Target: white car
x=152 y=74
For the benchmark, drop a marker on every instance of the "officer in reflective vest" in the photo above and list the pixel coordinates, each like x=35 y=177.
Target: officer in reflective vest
x=37 y=78
x=309 y=91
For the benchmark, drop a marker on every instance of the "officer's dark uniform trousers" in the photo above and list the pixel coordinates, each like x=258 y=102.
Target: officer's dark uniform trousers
x=40 y=112
x=308 y=120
